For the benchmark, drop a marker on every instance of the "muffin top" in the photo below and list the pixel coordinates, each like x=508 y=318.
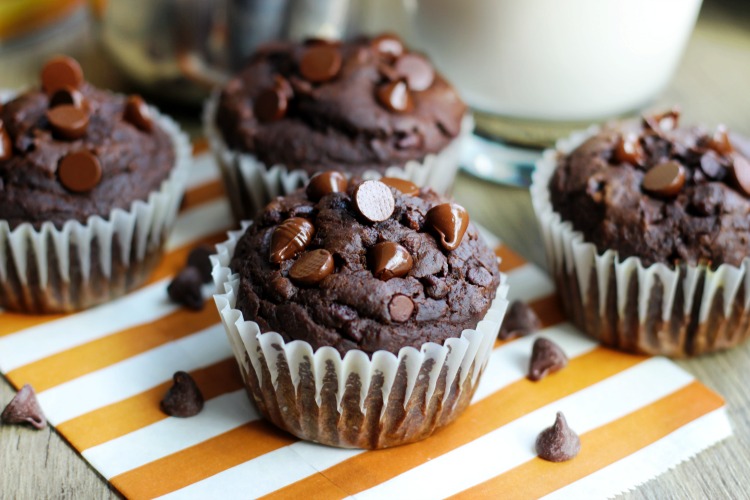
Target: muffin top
x=69 y=151
x=659 y=192
x=351 y=106
x=371 y=266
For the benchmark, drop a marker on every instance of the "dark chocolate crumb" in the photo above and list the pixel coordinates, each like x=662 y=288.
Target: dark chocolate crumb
x=198 y=259
x=184 y=398
x=546 y=358
x=558 y=443
x=24 y=409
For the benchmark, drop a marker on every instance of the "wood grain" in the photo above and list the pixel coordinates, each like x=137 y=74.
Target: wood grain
x=710 y=85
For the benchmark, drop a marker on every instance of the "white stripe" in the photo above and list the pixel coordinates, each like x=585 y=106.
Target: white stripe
x=134 y=375
x=513 y=444
x=651 y=461
x=32 y=344
x=199 y=222
x=528 y=282
x=219 y=415
x=202 y=171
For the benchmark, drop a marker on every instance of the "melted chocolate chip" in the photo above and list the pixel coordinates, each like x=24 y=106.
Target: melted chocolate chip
x=400 y=308
x=24 y=409
x=741 y=173
x=184 y=398
x=270 y=105
x=67 y=95
x=324 y=183
x=407 y=188
x=520 y=320
x=546 y=359
x=60 y=72
x=388 y=45
x=6 y=145
x=79 y=171
x=185 y=289
x=395 y=97
x=417 y=71
x=320 y=63
x=199 y=259
x=663 y=122
x=137 y=114
x=312 y=267
x=559 y=442
x=450 y=221
x=68 y=121
x=665 y=179
x=719 y=142
x=390 y=260
x=289 y=238
x=629 y=150
x=374 y=200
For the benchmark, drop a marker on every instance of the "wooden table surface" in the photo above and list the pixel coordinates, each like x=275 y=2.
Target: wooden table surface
x=711 y=85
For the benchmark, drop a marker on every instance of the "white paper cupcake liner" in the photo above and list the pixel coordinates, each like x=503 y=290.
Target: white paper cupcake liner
x=53 y=270
x=251 y=184
x=678 y=312
x=355 y=401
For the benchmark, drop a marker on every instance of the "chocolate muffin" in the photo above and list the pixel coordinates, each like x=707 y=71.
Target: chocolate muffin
x=366 y=107
x=90 y=183
x=362 y=287
x=647 y=231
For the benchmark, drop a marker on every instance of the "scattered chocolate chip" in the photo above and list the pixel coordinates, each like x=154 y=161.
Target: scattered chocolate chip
x=417 y=71
x=24 y=409
x=719 y=142
x=61 y=71
x=184 y=398
x=520 y=320
x=395 y=97
x=311 y=267
x=289 y=238
x=407 y=188
x=450 y=221
x=388 y=45
x=629 y=150
x=665 y=179
x=401 y=308
x=546 y=359
x=68 y=121
x=270 y=105
x=185 y=289
x=741 y=173
x=711 y=165
x=79 y=171
x=374 y=200
x=6 y=145
x=558 y=443
x=663 y=122
x=137 y=114
x=67 y=95
x=320 y=62
x=198 y=258
x=390 y=260
x=324 y=183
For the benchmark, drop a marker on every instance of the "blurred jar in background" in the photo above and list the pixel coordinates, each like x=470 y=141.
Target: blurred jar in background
x=24 y=18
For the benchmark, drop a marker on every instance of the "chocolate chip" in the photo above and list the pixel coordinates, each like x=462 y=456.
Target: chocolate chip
x=629 y=150
x=60 y=72
x=281 y=83
x=450 y=221
x=395 y=97
x=400 y=308
x=320 y=63
x=184 y=398
x=374 y=200
x=311 y=267
x=79 y=171
x=6 y=145
x=185 y=289
x=390 y=260
x=417 y=71
x=324 y=183
x=24 y=409
x=665 y=179
x=67 y=95
x=741 y=173
x=283 y=288
x=520 y=320
x=559 y=442
x=663 y=122
x=199 y=259
x=270 y=105
x=137 y=114
x=711 y=165
x=546 y=359
x=719 y=142
x=407 y=188
x=68 y=121
x=388 y=45
x=289 y=238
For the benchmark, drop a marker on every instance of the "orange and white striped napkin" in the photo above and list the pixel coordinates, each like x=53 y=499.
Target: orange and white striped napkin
x=101 y=373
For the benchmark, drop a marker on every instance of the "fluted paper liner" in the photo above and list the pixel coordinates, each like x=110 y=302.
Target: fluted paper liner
x=51 y=270
x=354 y=401
x=251 y=184
x=681 y=311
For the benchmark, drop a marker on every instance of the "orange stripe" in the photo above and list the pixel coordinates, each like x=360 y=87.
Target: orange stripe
x=200 y=145
x=201 y=461
x=603 y=446
x=86 y=358
x=11 y=322
x=136 y=412
x=509 y=260
x=202 y=194
x=517 y=399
